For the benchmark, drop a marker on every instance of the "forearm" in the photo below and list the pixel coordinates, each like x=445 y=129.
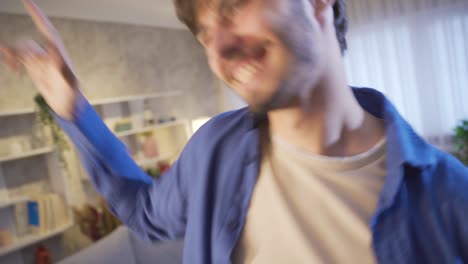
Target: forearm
x=136 y=199
x=106 y=159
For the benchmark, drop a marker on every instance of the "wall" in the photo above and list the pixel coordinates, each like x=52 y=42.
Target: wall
x=116 y=59
x=229 y=100
x=111 y=60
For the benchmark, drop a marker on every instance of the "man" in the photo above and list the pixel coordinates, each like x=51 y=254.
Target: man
x=312 y=172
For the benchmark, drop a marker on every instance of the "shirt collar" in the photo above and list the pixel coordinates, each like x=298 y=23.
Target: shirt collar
x=404 y=146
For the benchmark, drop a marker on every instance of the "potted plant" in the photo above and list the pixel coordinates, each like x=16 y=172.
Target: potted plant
x=46 y=119
x=461 y=141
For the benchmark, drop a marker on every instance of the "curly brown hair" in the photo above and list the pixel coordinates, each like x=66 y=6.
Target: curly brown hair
x=186 y=12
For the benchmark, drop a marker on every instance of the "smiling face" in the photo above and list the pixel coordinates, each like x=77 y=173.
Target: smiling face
x=268 y=51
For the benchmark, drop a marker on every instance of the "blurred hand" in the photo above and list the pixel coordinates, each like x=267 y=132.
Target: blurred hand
x=47 y=65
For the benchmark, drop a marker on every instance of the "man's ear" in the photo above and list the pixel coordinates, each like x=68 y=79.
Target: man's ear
x=322 y=7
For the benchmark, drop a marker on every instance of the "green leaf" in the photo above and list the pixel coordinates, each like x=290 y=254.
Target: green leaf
x=460 y=141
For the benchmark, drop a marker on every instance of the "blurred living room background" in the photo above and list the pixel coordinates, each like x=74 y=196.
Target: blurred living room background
x=149 y=80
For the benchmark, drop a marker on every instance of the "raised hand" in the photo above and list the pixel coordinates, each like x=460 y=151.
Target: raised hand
x=48 y=66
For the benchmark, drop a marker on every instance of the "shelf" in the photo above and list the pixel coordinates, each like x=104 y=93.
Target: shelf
x=134 y=98
x=143 y=162
x=32 y=239
x=31 y=153
x=24 y=111
x=146 y=162
x=149 y=128
x=13 y=201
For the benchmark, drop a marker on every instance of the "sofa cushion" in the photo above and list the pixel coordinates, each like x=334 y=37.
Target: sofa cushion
x=167 y=252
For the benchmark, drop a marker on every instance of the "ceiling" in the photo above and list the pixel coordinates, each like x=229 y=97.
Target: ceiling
x=140 y=12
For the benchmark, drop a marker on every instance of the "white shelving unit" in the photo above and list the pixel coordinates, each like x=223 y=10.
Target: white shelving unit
x=27 y=154
x=130 y=98
x=24 y=176
x=150 y=128
x=32 y=239
x=97 y=102
x=148 y=162
x=13 y=201
x=152 y=161
x=170 y=137
x=23 y=111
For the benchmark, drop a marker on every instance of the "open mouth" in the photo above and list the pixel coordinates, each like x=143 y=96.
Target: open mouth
x=250 y=66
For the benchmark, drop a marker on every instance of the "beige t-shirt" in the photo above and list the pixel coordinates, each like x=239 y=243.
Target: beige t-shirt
x=312 y=209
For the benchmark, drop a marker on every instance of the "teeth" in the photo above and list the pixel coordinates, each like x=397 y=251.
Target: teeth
x=245 y=73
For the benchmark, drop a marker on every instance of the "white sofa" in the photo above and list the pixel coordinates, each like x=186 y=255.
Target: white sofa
x=122 y=247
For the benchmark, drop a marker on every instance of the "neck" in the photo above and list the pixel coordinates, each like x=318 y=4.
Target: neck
x=329 y=121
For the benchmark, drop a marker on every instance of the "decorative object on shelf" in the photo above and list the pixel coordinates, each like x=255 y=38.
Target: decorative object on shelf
x=158 y=170
x=461 y=141
x=164 y=166
x=154 y=172
x=6 y=239
x=148 y=115
x=95 y=222
x=149 y=146
x=41 y=135
x=88 y=219
x=19 y=146
x=123 y=125
x=15 y=148
x=166 y=119
x=108 y=221
x=136 y=109
x=47 y=120
x=43 y=255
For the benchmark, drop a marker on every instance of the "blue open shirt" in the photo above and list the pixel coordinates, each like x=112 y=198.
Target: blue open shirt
x=421 y=217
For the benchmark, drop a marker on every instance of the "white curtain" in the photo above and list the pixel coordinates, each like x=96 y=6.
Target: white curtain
x=416 y=52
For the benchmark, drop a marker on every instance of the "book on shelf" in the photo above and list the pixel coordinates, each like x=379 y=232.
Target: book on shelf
x=21 y=219
x=3 y=194
x=46 y=212
x=3 y=188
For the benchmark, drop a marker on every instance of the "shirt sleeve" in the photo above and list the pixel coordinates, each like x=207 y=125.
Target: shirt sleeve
x=455 y=206
x=153 y=209
x=460 y=203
